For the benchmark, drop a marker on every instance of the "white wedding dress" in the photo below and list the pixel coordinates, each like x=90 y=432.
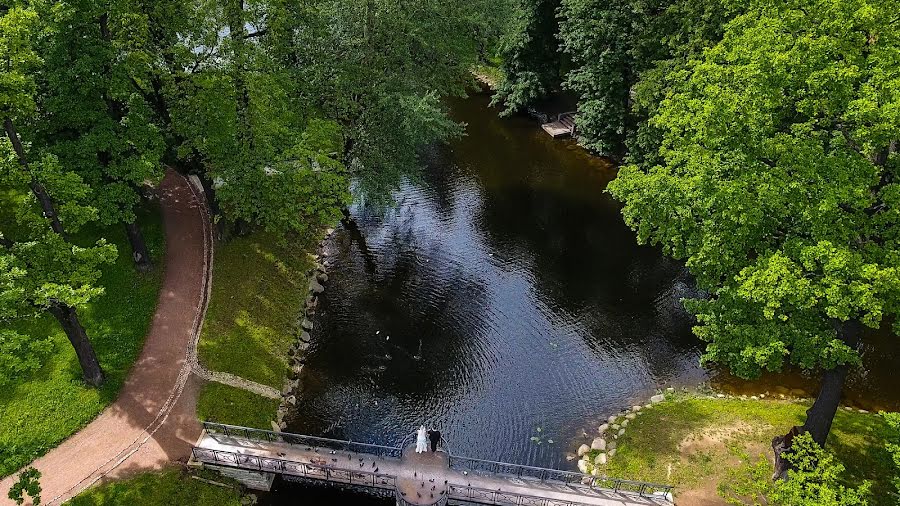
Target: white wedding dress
x=421 y=440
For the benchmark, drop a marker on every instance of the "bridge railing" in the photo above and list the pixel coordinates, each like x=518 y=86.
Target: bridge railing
x=301 y=440
x=578 y=481
x=487 y=496
x=572 y=479
x=306 y=470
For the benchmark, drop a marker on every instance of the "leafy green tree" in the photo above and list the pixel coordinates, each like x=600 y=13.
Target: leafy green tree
x=42 y=270
x=814 y=480
x=893 y=446
x=28 y=483
x=529 y=55
x=778 y=187
x=93 y=119
x=623 y=56
x=380 y=70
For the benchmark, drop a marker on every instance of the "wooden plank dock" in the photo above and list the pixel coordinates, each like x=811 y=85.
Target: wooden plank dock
x=563 y=126
x=414 y=479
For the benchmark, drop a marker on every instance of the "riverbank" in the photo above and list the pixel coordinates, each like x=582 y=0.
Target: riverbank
x=256 y=327
x=41 y=410
x=700 y=443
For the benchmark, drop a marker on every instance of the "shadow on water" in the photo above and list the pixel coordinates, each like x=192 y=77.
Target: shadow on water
x=509 y=270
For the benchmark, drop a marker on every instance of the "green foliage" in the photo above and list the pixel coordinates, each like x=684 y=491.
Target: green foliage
x=21 y=355
x=893 y=445
x=624 y=56
x=775 y=187
x=530 y=60
x=94 y=120
x=814 y=480
x=380 y=69
x=163 y=488
x=28 y=484
x=17 y=32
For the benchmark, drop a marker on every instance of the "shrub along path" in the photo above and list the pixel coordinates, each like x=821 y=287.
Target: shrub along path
x=153 y=420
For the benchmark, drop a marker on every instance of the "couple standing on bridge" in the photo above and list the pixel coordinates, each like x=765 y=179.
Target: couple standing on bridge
x=422 y=438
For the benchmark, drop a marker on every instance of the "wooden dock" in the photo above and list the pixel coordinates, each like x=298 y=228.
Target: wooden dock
x=413 y=479
x=562 y=127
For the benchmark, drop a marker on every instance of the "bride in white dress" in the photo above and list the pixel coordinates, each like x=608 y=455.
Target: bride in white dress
x=421 y=440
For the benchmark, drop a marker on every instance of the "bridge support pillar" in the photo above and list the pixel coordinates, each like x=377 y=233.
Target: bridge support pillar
x=254 y=480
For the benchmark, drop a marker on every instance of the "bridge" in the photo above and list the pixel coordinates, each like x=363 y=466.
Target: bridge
x=413 y=479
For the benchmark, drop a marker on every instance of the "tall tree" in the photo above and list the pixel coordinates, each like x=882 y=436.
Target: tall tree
x=380 y=70
x=93 y=119
x=529 y=55
x=43 y=271
x=623 y=55
x=778 y=186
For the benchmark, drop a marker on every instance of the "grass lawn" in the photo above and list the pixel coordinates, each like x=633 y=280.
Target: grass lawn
x=39 y=412
x=693 y=443
x=259 y=287
x=225 y=404
x=170 y=487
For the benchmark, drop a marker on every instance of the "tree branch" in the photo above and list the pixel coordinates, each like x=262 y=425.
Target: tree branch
x=258 y=33
x=853 y=144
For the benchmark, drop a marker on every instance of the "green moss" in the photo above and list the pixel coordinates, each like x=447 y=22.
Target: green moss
x=688 y=440
x=40 y=411
x=259 y=287
x=166 y=488
x=225 y=404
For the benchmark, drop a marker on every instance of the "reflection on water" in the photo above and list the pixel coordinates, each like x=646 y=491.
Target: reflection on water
x=511 y=273
x=503 y=300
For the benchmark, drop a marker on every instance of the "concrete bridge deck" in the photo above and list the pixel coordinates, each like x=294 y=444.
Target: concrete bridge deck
x=415 y=479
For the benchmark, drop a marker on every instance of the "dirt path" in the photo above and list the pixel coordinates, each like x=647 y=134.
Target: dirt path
x=153 y=421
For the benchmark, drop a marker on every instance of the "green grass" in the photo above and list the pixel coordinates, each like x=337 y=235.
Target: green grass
x=692 y=442
x=40 y=411
x=225 y=404
x=259 y=287
x=170 y=487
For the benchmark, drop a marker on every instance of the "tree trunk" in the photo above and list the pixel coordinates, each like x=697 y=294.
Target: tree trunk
x=68 y=319
x=37 y=188
x=139 y=252
x=820 y=415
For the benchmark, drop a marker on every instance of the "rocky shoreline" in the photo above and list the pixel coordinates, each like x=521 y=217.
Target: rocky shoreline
x=317 y=277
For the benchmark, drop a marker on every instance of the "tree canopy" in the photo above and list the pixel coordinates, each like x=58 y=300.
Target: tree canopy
x=778 y=184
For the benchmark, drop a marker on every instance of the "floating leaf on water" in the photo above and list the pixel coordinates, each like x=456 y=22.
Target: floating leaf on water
x=535 y=439
x=550 y=441
x=539 y=429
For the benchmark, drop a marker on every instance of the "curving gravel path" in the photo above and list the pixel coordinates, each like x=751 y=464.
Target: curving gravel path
x=153 y=421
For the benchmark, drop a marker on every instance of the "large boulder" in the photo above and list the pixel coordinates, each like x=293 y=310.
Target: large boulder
x=600 y=459
x=583 y=466
x=603 y=428
x=583 y=449
x=657 y=398
x=314 y=286
x=598 y=444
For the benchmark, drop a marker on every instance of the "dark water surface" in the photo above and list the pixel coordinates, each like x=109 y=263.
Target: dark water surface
x=536 y=315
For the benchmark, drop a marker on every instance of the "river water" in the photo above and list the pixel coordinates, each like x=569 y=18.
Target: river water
x=504 y=301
